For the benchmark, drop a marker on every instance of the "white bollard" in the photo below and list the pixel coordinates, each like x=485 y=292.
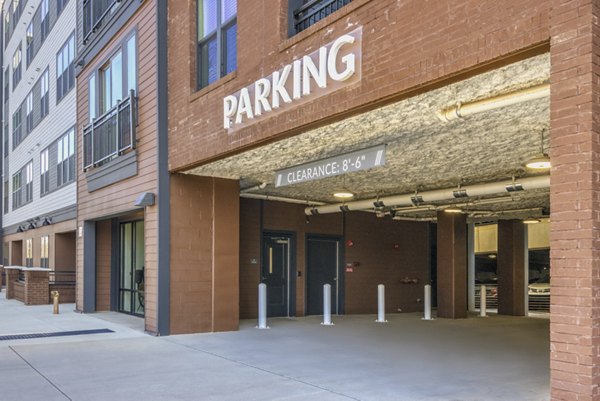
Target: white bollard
x=427 y=296
x=381 y=304
x=327 y=305
x=262 y=306
x=482 y=301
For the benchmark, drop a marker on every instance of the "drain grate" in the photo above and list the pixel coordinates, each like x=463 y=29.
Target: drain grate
x=55 y=334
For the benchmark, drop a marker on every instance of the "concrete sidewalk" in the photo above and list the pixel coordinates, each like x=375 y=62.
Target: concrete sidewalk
x=498 y=358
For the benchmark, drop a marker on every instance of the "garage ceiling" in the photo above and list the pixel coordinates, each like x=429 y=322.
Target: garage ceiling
x=423 y=153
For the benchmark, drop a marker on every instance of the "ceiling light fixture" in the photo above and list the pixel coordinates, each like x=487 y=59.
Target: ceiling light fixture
x=531 y=220
x=343 y=194
x=540 y=161
x=453 y=210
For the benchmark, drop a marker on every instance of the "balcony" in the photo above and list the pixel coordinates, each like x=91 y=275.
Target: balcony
x=95 y=13
x=312 y=11
x=111 y=134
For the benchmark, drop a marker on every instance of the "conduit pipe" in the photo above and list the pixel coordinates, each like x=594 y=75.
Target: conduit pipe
x=253 y=188
x=509 y=99
x=280 y=199
x=439 y=195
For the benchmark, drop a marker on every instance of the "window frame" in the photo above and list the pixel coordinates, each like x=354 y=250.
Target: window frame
x=16 y=190
x=44 y=172
x=65 y=165
x=202 y=69
x=17 y=67
x=65 y=80
x=29 y=46
x=28 y=182
x=29 y=252
x=44 y=251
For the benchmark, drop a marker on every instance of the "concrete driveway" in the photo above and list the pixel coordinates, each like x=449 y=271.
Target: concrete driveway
x=496 y=358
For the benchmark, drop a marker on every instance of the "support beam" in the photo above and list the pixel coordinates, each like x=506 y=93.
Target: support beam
x=511 y=268
x=451 y=265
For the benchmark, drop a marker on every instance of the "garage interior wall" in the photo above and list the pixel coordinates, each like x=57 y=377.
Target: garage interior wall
x=393 y=253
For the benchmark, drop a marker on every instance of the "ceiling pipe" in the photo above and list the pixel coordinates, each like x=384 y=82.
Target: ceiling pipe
x=253 y=188
x=280 y=199
x=496 y=102
x=438 y=195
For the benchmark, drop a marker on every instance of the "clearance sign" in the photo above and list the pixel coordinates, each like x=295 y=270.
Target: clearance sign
x=331 y=67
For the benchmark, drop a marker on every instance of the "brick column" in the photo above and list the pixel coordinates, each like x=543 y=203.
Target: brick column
x=574 y=199
x=1 y=277
x=511 y=267
x=451 y=265
x=37 y=288
x=12 y=275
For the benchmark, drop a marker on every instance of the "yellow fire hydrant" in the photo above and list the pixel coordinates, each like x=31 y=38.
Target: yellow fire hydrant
x=55 y=297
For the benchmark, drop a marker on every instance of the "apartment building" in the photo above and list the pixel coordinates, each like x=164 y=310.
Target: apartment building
x=119 y=114
x=39 y=165
x=225 y=144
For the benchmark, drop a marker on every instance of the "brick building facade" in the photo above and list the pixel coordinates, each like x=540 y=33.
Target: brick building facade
x=228 y=222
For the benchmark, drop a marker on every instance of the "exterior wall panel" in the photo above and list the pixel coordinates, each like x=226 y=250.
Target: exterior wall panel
x=119 y=198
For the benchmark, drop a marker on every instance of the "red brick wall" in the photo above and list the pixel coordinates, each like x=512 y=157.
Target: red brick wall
x=204 y=254
x=37 y=289
x=574 y=196
x=406 y=44
x=379 y=261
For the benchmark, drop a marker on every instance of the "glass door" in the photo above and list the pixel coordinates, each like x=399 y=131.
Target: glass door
x=131 y=281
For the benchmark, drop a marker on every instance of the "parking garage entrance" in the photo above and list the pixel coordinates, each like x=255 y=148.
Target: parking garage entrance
x=417 y=192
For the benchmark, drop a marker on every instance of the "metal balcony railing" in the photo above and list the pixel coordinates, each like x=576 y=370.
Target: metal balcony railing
x=95 y=13
x=62 y=278
x=111 y=134
x=312 y=11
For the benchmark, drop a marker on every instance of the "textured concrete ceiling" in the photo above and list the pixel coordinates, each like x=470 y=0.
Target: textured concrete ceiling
x=423 y=152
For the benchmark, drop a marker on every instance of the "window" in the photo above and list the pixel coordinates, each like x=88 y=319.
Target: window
x=6 y=84
x=112 y=82
x=16 y=134
x=6 y=28
x=29 y=182
x=304 y=13
x=217 y=40
x=29 y=41
x=16 y=64
x=60 y=5
x=44 y=251
x=111 y=132
x=16 y=191
x=92 y=96
x=16 y=10
x=44 y=175
x=115 y=79
x=65 y=168
x=45 y=21
x=6 y=192
x=5 y=139
x=65 y=74
x=29 y=252
x=44 y=99
x=29 y=117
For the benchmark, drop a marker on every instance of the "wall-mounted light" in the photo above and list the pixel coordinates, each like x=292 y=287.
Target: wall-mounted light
x=20 y=229
x=454 y=210
x=531 y=220
x=31 y=226
x=47 y=221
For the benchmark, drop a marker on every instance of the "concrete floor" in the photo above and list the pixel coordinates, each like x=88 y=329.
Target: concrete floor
x=495 y=358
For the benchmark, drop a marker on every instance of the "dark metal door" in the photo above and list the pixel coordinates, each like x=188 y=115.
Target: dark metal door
x=323 y=255
x=276 y=273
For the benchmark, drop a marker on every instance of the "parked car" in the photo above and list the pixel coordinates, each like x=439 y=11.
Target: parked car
x=541 y=286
